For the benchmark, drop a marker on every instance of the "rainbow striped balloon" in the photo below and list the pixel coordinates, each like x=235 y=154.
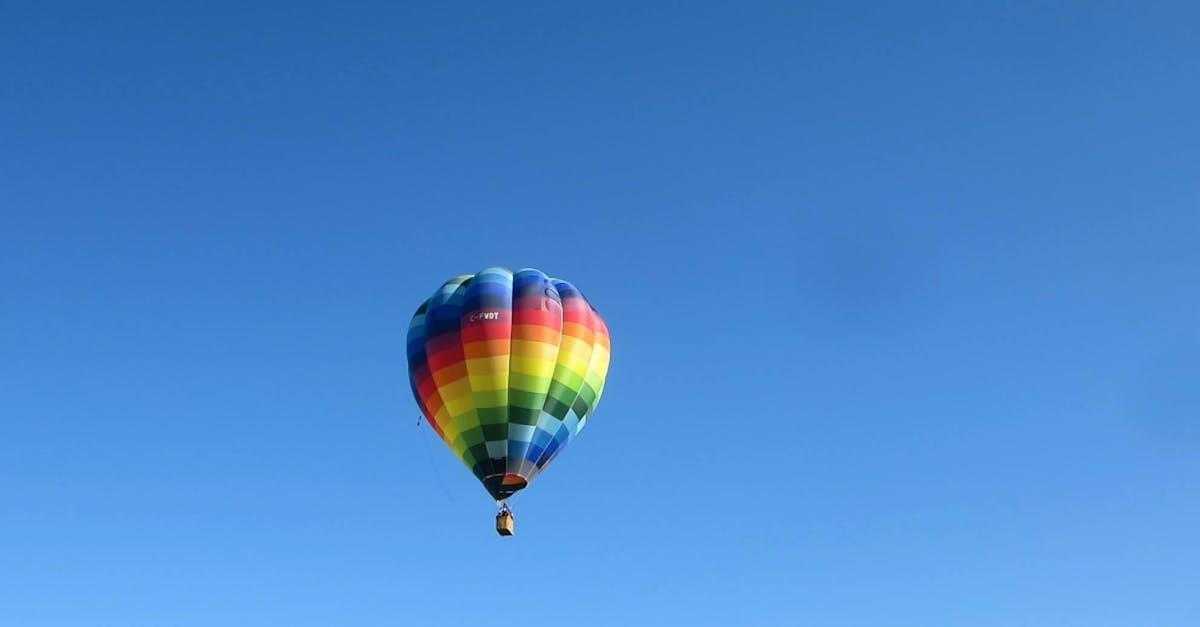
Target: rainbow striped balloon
x=507 y=367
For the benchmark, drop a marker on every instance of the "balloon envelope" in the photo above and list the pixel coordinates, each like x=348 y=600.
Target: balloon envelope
x=507 y=367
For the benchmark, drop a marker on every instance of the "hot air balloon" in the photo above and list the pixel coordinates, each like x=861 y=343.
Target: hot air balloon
x=507 y=367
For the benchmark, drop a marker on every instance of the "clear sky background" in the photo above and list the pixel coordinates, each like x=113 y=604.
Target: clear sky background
x=904 y=299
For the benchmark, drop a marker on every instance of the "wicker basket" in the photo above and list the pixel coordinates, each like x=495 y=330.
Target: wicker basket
x=505 y=523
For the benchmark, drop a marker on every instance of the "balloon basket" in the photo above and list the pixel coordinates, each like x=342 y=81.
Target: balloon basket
x=505 y=524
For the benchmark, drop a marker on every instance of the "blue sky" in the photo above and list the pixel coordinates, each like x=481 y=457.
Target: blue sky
x=904 y=305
